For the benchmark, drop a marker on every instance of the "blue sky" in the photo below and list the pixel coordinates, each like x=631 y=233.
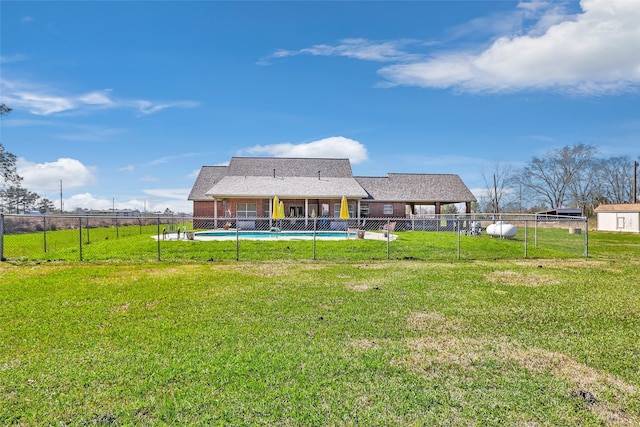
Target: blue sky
x=125 y=101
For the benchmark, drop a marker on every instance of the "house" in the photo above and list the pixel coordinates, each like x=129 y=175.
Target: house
x=619 y=217
x=311 y=187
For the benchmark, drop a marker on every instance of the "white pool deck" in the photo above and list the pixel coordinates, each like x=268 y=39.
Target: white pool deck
x=173 y=236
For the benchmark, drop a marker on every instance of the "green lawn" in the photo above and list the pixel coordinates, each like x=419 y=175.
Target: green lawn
x=136 y=243
x=530 y=342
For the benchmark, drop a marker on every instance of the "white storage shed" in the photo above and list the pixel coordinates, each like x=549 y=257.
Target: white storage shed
x=619 y=217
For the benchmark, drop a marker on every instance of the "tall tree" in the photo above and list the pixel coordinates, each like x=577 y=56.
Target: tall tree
x=16 y=198
x=8 y=172
x=45 y=205
x=4 y=110
x=551 y=176
x=615 y=178
x=497 y=181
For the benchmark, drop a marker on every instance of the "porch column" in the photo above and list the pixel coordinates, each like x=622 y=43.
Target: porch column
x=215 y=213
x=270 y=213
x=358 y=214
x=437 y=208
x=306 y=213
x=468 y=205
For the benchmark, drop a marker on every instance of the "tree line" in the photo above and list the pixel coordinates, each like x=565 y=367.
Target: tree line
x=569 y=177
x=13 y=197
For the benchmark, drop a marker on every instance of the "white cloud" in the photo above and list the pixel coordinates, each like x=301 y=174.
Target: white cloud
x=96 y=98
x=128 y=168
x=595 y=52
x=194 y=174
x=174 y=199
x=146 y=107
x=335 y=146
x=42 y=100
x=86 y=201
x=45 y=177
x=39 y=104
x=13 y=58
x=169 y=193
x=358 y=48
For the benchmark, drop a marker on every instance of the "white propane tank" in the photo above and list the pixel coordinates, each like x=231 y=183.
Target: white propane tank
x=500 y=229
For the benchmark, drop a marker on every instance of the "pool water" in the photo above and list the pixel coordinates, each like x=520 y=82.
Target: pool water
x=284 y=235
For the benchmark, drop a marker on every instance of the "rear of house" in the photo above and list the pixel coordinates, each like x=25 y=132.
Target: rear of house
x=314 y=187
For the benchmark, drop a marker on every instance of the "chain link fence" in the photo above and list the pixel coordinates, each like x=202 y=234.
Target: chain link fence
x=184 y=238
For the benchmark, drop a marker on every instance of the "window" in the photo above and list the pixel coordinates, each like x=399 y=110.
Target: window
x=246 y=210
x=387 y=210
x=364 y=210
x=336 y=209
x=296 y=211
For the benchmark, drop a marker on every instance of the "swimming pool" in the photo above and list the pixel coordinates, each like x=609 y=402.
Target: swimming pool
x=281 y=235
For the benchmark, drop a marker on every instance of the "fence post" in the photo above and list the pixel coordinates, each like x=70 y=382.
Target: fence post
x=315 y=228
x=158 y=239
x=44 y=232
x=459 y=233
x=80 y=230
x=526 y=225
x=586 y=236
x=388 y=238
x=2 y=258
x=237 y=241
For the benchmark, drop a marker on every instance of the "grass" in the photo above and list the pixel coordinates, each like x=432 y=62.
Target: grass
x=135 y=243
x=529 y=342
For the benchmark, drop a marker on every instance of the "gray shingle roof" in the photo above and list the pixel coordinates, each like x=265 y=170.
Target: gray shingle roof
x=290 y=187
x=284 y=166
x=298 y=178
x=446 y=188
x=207 y=177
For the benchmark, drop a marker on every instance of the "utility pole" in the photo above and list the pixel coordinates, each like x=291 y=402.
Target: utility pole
x=635 y=182
x=61 y=196
x=495 y=192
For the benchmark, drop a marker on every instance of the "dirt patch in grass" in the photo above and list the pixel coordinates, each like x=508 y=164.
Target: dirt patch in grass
x=571 y=264
x=370 y=284
x=520 y=278
x=363 y=344
x=608 y=395
x=432 y=321
x=121 y=308
x=358 y=287
x=270 y=269
x=442 y=349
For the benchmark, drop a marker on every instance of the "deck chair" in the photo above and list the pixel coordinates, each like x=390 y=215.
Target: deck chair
x=388 y=228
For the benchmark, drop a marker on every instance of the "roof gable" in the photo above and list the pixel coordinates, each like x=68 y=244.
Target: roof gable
x=208 y=176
